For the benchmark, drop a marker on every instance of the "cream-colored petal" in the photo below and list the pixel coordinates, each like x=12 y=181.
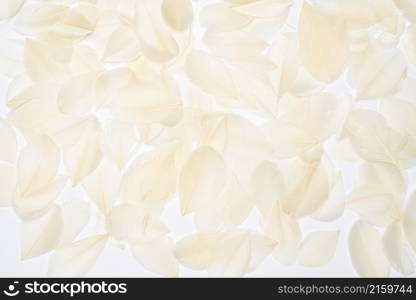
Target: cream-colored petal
x=311 y=191
x=79 y=21
x=129 y=222
x=40 y=66
x=393 y=243
x=9 y=8
x=178 y=14
x=322 y=44
x=37 y=165
x=157 y=256
x=110 y=82
x=378 y=74
x=285 y=230
x=122 y=46
x=318 y=248
x=235 y=45
x=75 y=214
x=119 y=141
x=209 y=74
x=221 y=17
x=373 y=204
x=264 y=8
x=202 y=179
x=37 y=18
x=334 y=206
x=260 y=247
x=157 y=41
x=8 y=183
x=150 y=181
x=11 y=59
x=36 y=203
x=408 y=8
x=231 y=255
x=102 y=185
x=267 y=186
x=41 y=235
x=84 y=156
x=77 y=258
x=366 y=251
x=8 y=150
x=409 y=221
x=76 y=95
x=196 y=251
x=409 y=43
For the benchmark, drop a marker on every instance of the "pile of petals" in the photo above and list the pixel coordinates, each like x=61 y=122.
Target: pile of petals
x=230 y=109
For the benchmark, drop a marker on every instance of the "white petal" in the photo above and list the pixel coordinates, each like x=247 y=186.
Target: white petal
x=409 y=43
x=408 y=8
x=221 y=17
x=195 y=251
x=122 y=46
x=322 y=44
x=378 y=74
x=267 y=186
x=110 y=82
x=265 y=8
x=157 y=256
x=318 y=248
x=209 y=74
x=332 y=208
x=157 y=41
x=231 y=255
x=85 y=155
x=76 y=214
x=8 y=150
x=39 y=17
x=8 y=8
x=77 y=258
x=36 y=203
x=235 y=45
x=119 y=141
x=409 y=221
x=76 y=95
x=8 y=183
x=178 y=14
x=129 y=222
x=39 y=64
x=366 y=251
x=373 y=204
x=285 y=230
x=150 y=181
x=102 y=185
x=11 y=59
x=393 y=242
x=41 y=235
x=37 y=165
x=202 y=179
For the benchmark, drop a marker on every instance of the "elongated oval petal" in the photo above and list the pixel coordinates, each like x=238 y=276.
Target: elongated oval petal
x=178 y=14
x=393 y=243
x=77 y=258
x=41 y=235
x=318 y=248
x=202 y=178
x=366 y=251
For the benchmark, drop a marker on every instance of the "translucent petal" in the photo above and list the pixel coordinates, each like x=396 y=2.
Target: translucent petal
x=366 y=251
x=41 y=235
x=77 y=258
x=318 y=248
